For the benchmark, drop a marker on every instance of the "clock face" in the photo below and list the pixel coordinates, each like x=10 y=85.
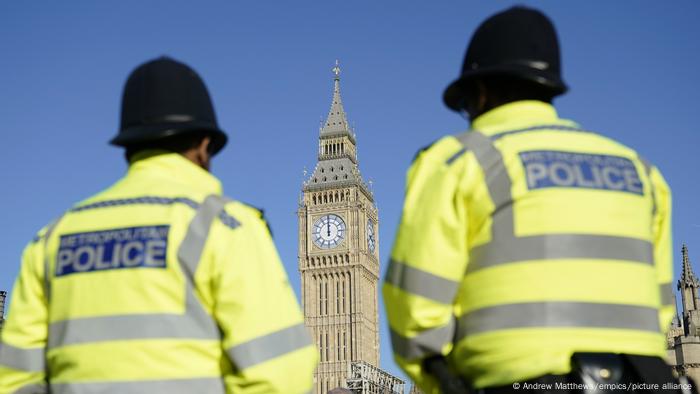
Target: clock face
x=371 y=237
x=329 y=231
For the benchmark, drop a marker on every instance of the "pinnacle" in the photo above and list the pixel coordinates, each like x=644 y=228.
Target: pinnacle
x=688 y=276
x=336 y=122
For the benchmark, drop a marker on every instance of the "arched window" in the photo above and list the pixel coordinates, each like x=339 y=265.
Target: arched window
x=337 y=348
x=342 y=294
x=337 y=296
x=325 y=293
x=345 y=346
x=320 y=295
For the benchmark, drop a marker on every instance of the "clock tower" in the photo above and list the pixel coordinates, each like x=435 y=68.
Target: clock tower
x=338 y=253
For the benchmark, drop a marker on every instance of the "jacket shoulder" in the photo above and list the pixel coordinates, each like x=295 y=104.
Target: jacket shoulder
x=445 y=150
x=243 y=213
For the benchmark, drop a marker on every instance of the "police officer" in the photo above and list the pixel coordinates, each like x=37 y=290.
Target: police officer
x=158 y=284
x=530 y=249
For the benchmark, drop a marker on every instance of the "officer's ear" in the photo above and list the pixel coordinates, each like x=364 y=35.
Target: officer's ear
x=202 y=153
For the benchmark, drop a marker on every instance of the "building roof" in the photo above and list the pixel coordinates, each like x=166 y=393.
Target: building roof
x=334 y=172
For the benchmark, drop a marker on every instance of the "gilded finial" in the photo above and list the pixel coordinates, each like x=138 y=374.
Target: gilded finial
x=336 y=69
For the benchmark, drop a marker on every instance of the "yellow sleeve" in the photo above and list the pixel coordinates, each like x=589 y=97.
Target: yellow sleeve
x=663 y=246
x=427 y=263
x=24 y=335
x=263 y=328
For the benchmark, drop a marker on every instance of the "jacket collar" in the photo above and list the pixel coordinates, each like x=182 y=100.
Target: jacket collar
x=174 y=167
x=518 y=115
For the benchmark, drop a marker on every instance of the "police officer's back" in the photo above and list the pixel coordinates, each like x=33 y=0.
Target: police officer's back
x=158 y=284
x=530 y=247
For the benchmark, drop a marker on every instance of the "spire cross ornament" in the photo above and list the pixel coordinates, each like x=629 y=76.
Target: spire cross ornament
x=336 y=69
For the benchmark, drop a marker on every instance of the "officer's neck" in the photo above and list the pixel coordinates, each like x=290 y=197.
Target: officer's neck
x=201 y=159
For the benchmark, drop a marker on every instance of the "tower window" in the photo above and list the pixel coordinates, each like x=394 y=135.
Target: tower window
x=342 y=300
x=337 y=297
x=325 y=295
x=320 y=294
x=345 y=352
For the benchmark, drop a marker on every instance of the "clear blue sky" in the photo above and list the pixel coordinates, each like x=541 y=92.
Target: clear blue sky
x=632 y=68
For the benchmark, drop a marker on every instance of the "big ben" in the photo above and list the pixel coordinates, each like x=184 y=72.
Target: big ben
x=338 y=253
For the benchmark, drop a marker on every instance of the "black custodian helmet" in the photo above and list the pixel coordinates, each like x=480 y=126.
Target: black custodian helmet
x=519 y=42
x=164 y=98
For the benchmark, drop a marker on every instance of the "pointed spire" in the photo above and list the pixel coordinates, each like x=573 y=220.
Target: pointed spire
x=688 y=277
x=337 y=122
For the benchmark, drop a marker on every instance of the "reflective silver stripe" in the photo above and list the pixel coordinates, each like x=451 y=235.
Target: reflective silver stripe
x=505 y=247
x=212 y=385
x=30 y=360
x=189 y=255
x=560 y=246
x=422 y=283
x=267 y=347
x=427 y=343
x=195 y=323
x=497 y=180
x=197 y=233
x=667 y=295
x=34 y=388
x=558 y=315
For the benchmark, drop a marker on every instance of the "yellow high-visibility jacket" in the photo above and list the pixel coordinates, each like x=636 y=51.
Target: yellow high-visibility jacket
x=156 y=285
x=524 y=241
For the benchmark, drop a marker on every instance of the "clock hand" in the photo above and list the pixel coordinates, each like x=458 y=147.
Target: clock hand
x=328 y=226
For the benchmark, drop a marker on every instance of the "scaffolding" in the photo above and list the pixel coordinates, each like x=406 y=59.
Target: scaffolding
x=3 y=294
x=365 y=378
